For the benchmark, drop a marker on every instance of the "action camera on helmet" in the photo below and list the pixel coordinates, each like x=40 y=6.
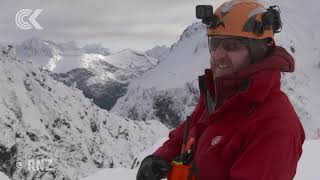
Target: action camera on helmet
x=204 y=11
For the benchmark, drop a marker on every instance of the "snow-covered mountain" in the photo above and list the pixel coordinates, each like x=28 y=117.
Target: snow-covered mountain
x=104 y=78
x=43 y=53
x=169 y=91
x=158 y=52
x=43 y=119
x=96 y=49
x=169 y=83
x=101 y=76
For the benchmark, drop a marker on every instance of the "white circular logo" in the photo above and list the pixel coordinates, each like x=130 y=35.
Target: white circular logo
x=216 y=140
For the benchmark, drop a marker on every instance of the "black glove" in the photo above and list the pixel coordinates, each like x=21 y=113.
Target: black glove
x=153 y=168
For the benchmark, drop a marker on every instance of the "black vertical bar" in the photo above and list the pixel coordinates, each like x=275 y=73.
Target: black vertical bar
x=186 y=132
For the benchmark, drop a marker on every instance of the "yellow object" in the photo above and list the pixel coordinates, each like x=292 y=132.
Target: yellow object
x=240 y=18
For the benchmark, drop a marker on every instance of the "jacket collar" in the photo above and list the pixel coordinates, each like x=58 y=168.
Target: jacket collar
x=253 y=84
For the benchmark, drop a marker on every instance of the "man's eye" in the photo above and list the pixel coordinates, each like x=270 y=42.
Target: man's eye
x=214 y=44
x=232 y=45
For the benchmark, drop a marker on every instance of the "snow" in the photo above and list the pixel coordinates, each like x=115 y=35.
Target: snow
x=307 y=167
x=128 y=59
x=3 y=176
x=120 y=67
x=63 y=57
x=173 y=81
x=90 y=68
x=186 y=60
x=38 y=112
x=158 y=52
x=125 y=173
x=43 y=53
x=58 y=58
x=118 y=174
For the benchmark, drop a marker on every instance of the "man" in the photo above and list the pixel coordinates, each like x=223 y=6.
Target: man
x=244 y=127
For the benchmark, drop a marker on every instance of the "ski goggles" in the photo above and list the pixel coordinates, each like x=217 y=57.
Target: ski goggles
x=228 y=44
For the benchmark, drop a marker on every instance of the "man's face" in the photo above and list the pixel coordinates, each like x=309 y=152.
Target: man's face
x=227 y=55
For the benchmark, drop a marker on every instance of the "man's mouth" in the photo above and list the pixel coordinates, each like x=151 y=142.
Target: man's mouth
x=223 y=66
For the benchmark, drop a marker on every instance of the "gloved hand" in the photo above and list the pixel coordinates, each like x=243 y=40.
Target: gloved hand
x=153 y=168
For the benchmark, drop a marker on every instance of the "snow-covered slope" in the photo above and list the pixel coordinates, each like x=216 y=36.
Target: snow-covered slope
x=43 y=119
x=158 y=52
x=103 y=78
x=189 y=57
x=3 y=176
x=169 y=91
x=100 y=75
x=186 y=60
x=125 y=173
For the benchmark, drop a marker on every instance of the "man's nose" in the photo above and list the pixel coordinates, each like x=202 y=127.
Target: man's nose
x=219 y=53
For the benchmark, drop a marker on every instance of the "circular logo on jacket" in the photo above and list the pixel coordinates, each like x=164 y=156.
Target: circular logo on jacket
x=216 y=140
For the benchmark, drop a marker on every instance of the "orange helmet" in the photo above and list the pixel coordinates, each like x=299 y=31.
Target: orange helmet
x=243 y=18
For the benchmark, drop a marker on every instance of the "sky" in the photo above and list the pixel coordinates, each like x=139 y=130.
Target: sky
x=117 y=24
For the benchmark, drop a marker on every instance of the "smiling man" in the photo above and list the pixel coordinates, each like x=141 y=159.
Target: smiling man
x=244 y=127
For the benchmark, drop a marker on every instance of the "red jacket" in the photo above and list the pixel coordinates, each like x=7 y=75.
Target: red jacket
x=253 y=135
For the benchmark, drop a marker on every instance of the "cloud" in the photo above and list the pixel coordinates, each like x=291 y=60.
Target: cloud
x=144 y=21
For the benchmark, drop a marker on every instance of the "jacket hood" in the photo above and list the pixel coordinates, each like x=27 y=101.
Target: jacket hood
x=253 y=83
